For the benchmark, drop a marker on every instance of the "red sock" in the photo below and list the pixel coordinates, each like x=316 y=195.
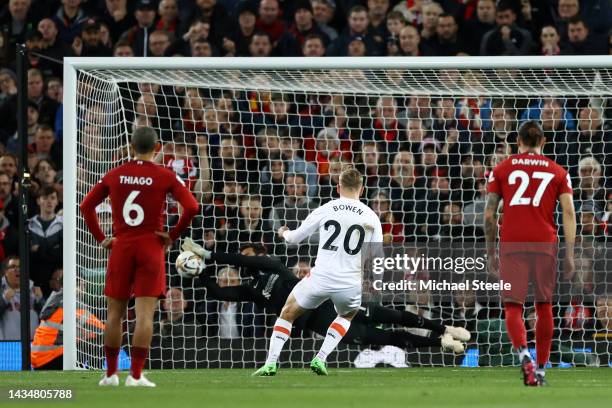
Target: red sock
x=139 y=356
x=544 y=332
x=515 y=324
x=112 y=357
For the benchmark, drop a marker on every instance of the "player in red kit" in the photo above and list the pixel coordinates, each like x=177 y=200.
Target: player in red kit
x=136 y=266
x=530 y=185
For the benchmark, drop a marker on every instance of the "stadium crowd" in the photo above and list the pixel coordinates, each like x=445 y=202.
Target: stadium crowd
x=258 y=160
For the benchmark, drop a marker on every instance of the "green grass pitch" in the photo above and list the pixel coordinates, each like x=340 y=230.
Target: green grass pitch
x=294 y=388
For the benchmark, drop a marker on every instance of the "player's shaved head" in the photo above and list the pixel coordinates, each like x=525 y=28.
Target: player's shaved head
x=144 y=140
x=351 y=179
x=531 y=134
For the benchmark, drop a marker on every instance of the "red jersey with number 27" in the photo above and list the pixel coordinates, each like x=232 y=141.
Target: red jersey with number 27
x=530 y=185
x=138 y=192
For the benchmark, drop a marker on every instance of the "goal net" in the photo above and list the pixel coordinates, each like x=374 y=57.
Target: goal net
x=260 y=143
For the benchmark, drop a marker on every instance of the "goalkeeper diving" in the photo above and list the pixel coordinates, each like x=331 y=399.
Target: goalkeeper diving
x=329 y=298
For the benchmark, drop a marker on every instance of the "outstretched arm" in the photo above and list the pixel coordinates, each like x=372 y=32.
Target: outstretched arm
x=228 y=293
x=263 y=263
x=309 y=225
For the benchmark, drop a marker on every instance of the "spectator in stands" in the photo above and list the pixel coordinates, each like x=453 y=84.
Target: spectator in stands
x=328 y=147
x=55 y=89
x=46 y=107
x=252 y=228
x=377 y=13
x=476 y=28
x=323 y=12
x=269 y=20
x=358 y=23
x=549 y=42
x=590 y=189
x=138 y=34
x=429 y=210
x=395 y=24
x=46 y=231
x=52 y=45
x=314 y=46
x=201 y=48
x=447 y=40
x=392 y=227
x=45 y=146
x=159 y=42
x=90 y=44
x=9 y=201
x=8 y=164
x=211 y=12
x=561 y=146
x=290 y=150
x=168 y=17
x=260 y=45
x=405 y=190
x=123 y=49
x=117 y=18
x=44 y=173
x=372 y=163
x=410 y=43
x=507 y=38
x=566 y=9
x=273 y=176
x=295 y=207
x=10 y=315
x=431 y=13
x=603 y=312
x=177 y=328
x=581 y=41
x=595 y=136
x=502 y=130
x=69 y=20
x=452 y=226
x=236 y=43
x=292 y=41
x=12 y=143
x=386 y=127
x=328 y=185
x=231 y=160
x=8 y=84
x=14 y=25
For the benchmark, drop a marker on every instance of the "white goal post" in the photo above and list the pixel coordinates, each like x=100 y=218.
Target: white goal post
x=586 y=79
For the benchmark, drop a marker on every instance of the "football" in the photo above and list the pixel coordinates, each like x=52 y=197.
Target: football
x=189 y=265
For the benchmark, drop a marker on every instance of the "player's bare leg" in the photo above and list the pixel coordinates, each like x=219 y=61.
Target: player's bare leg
x=145 y=309
x=518 y=335
x=282 y=331
x=113 y=333
x=336 y=331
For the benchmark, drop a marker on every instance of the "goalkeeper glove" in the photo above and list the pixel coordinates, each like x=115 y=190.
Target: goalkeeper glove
x=189 y=245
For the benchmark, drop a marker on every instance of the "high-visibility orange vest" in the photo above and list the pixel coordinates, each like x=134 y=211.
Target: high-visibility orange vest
x=48 y=342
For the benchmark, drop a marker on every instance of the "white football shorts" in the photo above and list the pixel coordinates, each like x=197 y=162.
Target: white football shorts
x=309 y=296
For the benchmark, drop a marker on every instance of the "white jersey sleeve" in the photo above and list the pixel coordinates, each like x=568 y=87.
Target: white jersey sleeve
x=307 y=228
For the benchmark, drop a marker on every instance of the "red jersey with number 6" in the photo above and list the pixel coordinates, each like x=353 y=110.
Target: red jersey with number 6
x=138 y=192
x=530 y=185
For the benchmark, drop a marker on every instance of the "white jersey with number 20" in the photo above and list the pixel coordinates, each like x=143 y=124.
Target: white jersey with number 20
x=344 y=226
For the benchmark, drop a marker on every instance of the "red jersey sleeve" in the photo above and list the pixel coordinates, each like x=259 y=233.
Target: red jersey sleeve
x=189 y=204
x=88 y=208
x=565 y=184
x=493 y=185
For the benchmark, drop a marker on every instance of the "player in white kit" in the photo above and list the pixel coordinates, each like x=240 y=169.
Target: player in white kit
x=344 y=226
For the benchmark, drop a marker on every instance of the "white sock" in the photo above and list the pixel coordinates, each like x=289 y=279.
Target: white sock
x=282 y=331
x=540 y=371
x=522 y=352
x=335 y=332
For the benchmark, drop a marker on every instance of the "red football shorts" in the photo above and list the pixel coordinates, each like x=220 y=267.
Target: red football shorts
x=521 y=269
x=136 y=266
